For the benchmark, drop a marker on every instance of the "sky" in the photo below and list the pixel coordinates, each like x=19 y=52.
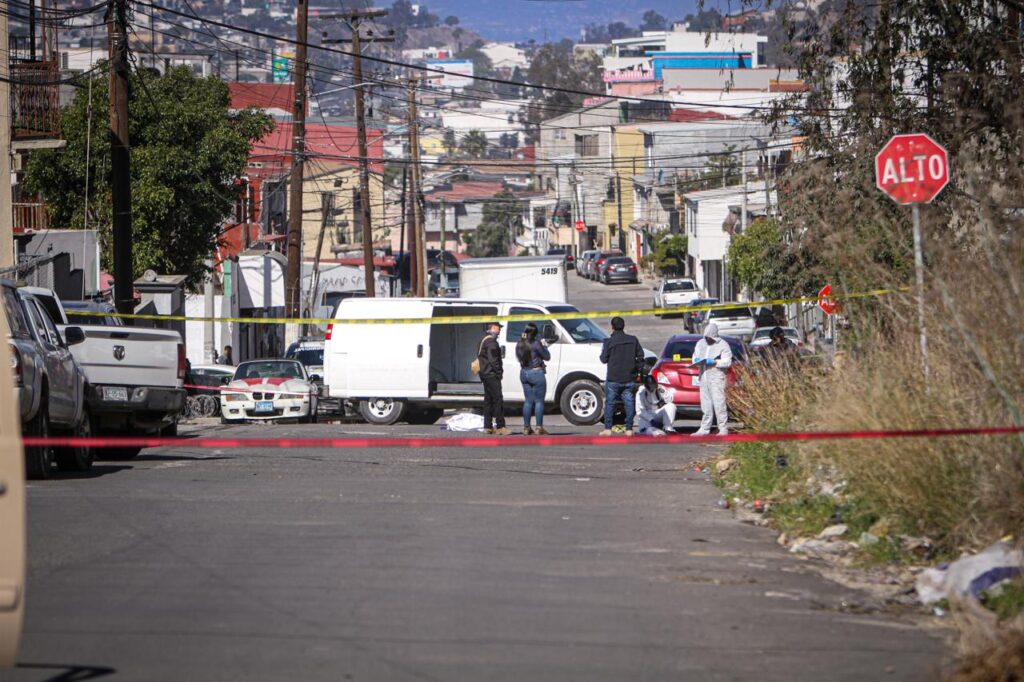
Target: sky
x=512 y=20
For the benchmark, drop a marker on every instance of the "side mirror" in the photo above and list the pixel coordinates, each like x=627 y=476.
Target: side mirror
x=549 y=333
x=224 y=381
x=650 y=362
x=315 y=377
x=73 y=335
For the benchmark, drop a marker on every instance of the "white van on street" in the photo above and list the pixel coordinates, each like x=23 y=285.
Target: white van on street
x=413 y=371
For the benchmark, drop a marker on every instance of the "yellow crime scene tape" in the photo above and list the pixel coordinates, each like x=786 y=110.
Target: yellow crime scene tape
x=464 y=319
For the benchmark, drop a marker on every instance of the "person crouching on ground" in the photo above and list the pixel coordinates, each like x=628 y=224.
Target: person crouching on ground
x=532 y=354
x=491 y=373
x=714 y=357
x=655 y=409
x=625 y=359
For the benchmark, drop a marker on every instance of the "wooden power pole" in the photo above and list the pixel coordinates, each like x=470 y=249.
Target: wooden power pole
x=354 y=19
x=417 y=246
x=293 y=290
x=120 y=157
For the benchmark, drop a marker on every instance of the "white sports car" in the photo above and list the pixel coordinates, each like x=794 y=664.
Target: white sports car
x=265 y=390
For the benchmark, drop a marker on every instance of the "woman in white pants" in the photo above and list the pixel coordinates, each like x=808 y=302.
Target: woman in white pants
x=655 y=409
x=714 y=357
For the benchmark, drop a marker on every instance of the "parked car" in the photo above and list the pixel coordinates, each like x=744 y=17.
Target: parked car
x=675 y=371
x=414 y=372
x=213 y=376
x=450 y=284
x=672 y=292
x=594 y=272
x=620 y=269
x=762 y=336
x=737 y=321
x=135 y=375
x=267 y=390
x=693 y=321
x=570 y=260
x=585 y=263
x=33 y=385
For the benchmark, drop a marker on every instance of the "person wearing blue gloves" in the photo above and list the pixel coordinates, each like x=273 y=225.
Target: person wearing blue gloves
x=714 y=357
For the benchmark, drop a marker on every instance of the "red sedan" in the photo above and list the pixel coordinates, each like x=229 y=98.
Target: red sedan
x=674 y=370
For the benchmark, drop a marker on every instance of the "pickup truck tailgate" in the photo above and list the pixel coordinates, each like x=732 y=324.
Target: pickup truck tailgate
x=129 y=356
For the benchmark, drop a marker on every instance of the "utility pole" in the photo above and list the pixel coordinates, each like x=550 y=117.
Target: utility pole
x=420 y=251
x=120 y=157
x=354 y=19
x=444 y=265
x=293 y=290
x=6 y=209
x=325 y=208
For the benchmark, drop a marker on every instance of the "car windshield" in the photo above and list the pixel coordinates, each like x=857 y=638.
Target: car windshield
x=581 y=329
x=310 y=357
x=680 y=286
x=270 y=369
x=729 y=313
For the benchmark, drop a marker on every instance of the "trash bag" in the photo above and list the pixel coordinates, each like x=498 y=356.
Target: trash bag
x=465 y=421
x=969 y=576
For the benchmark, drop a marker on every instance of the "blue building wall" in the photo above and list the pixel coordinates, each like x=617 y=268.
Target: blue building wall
x=699 y=60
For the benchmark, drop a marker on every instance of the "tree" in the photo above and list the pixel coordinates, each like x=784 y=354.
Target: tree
x=451 y=21
x=502 y=220
x=482 y=64
x=753 y=258
x=474 y=144
x=509 y=140
x=668 y=254
x=186 y=152
x=653 y=21
x=449 y=143
x=555 y=66
x=704 y=20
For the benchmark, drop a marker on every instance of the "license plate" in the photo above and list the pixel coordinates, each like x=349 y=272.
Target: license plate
x=264 y=406
x=696 y=381
x=115 y=393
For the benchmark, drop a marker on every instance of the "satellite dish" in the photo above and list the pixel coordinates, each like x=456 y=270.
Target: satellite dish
x=149 y=276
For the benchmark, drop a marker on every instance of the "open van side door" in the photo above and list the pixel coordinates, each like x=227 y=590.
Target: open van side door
x=12 y=514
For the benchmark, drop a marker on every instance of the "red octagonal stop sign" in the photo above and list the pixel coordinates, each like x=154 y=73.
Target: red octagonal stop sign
x=912 y=169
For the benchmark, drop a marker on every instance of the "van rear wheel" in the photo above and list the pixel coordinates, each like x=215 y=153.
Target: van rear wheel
x=582 y=402
x=384 y=411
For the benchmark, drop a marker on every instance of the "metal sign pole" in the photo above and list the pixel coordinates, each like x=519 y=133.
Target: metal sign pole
x=919 y=272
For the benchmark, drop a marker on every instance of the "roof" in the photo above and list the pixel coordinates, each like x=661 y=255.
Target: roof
x=474 y=190
x=689 y=115
x=325 y=143
x=262 y=95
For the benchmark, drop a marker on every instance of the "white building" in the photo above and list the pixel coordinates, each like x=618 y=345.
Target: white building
x=506 y=56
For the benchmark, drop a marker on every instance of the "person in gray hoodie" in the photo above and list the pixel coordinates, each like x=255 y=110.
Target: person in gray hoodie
x=714 y=357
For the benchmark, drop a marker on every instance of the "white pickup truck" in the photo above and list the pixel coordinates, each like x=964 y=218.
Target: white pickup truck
x=135 y=375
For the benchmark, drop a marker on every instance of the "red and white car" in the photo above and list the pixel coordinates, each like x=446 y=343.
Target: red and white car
x=674 y=370
x=266 y=390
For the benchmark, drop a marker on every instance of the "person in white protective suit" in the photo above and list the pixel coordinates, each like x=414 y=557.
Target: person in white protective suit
x=655 y=409
x=714 y=357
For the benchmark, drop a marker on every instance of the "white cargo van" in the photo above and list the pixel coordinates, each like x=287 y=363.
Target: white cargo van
x=533 y=278
x=413 y=371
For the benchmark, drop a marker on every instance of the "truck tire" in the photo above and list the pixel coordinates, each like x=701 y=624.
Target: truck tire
x=424 y=415
x=39 y=458
x=383 y=411
x=77 y=458
x=582 y=402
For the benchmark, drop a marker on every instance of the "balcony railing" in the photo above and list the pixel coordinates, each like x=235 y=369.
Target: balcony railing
x=30 y=216
x=35 y=100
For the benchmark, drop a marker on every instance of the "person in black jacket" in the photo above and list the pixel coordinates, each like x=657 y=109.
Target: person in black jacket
x=491 y=373
x=625 y=359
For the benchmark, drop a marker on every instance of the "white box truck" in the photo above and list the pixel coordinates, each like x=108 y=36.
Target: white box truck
x=525 y=278
x=411 y=371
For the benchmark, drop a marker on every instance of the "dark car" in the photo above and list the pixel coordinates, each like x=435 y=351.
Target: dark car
x=448 y=288
x=595 y=270
x=693 y=321
x=570 y=260
x=675 y=371
x=619 y=269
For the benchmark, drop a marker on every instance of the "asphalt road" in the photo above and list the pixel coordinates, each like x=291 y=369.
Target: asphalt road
x=502 y=563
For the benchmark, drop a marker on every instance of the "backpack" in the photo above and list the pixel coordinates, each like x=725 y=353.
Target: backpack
x=475 y=365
